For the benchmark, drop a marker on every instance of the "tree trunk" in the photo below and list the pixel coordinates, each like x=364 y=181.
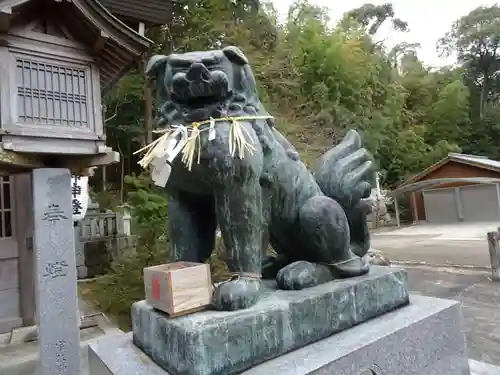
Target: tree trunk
x=148 y=105
x=483 y=96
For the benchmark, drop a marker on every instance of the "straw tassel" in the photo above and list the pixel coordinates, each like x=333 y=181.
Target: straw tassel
x=190 y=148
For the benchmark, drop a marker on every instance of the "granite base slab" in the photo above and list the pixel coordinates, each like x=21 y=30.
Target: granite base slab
x=481 y=368
x=226 y=343
x=425 y=337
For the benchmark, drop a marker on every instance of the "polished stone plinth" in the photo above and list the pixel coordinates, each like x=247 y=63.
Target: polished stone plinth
x=424 y=337
x=226 y=343
x=481 y=368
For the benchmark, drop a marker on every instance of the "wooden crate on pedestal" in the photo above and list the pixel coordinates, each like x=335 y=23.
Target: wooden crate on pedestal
x=178 y=288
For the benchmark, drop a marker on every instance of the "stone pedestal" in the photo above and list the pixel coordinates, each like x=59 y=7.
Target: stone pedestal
x=481 y=368
x=226 y=343
x=424 y=337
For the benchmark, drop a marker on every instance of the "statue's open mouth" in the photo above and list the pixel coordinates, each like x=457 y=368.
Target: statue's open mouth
x=200 y=87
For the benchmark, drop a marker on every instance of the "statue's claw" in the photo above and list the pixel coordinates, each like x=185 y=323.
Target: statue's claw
x=302 y=274
x=272 y=265
x=237 y=294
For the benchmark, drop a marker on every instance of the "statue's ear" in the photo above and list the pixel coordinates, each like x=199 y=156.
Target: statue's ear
x=235 y=55
x=156 y=64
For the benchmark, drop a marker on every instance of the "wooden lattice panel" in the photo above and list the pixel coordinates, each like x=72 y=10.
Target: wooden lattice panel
x=5 y=207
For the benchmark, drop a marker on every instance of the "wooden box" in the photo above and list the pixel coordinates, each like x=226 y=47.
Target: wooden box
x=178 y=288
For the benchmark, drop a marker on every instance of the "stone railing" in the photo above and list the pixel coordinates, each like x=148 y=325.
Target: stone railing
x=99 y=238
x=98 y=225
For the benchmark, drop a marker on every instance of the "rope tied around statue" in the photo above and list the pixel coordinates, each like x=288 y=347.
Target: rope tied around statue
x=165 y=149
x=237 y=276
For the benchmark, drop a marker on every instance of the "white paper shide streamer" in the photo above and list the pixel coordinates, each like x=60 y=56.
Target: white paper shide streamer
x=164 y=154
x=79 y=196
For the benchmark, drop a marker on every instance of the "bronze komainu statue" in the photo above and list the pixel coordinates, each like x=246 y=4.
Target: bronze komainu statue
x=260 y=193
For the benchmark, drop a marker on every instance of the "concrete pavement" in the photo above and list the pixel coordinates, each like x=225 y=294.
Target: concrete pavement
x=456 y=231
x=480 y=299
x=434 y=252
x=457 y=244
x=460 y=245
x=22 y=358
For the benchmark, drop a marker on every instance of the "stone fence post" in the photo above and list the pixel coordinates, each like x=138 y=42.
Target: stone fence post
x=494 y=249
x=126 y=223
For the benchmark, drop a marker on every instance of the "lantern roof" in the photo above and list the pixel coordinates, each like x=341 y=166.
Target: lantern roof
x=150 y=12
x=114 y=46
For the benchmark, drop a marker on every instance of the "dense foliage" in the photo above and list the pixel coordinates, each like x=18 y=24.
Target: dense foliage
x=117 y=290
x=320 y=79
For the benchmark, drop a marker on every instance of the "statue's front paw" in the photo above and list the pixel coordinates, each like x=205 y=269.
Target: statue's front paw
x=301 y=275
x=236 y=294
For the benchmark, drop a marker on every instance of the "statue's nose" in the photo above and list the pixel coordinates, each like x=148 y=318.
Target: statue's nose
x=198 y=71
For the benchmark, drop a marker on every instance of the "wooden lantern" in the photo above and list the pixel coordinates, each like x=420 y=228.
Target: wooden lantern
x=178 y=288
x=56 y=59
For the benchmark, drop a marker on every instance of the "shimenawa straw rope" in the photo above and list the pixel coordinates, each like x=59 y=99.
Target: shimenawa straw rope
x=238 y=143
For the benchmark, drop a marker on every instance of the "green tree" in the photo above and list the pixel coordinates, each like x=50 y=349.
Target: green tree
x=449 y=114
x=317 y=80
x=475 y=38
x=372 y=16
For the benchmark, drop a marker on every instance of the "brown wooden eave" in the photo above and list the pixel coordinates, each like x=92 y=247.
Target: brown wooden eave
x=450 y=158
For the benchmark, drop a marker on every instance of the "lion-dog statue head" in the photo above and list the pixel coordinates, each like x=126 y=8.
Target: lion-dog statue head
x=195 y=86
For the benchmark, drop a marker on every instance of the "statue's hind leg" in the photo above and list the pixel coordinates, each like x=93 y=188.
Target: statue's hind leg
x=325 y=230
